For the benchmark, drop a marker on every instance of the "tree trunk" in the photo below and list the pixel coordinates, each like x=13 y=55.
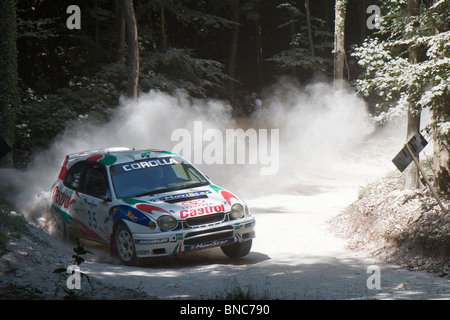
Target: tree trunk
x=308 y=21
x=259 y=53
x=441 y=153
x=9 y=92
x=411 y=174
x=233 y=48
x=363 y=20
x=292 y=34
x=441 y=146
x=96 y=31
x=120 y=22
x=163 y=30
x=339 y=37
x=258 y=47
x=133 y=49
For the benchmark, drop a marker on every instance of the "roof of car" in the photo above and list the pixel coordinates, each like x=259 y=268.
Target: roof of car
x=110 y=156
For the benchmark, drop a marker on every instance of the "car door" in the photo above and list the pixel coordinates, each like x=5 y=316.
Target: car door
x=95 y=198
x=72 y=184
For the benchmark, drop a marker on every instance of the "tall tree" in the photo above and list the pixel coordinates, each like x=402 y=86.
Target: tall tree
x=310 y=46
x=133 y=49
x=9 y=94
x=233 y=47
x=441 y=140
x=339 y=39
x=121 y=30
x=163 y=28
x=259 y=45
x=308 y=21
x=413 y=119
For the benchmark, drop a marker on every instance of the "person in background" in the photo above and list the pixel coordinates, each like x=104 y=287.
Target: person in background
x=256 y=105
x=237 y=107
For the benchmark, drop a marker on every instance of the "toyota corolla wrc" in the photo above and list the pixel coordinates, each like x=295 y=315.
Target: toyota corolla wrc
x=147 y=203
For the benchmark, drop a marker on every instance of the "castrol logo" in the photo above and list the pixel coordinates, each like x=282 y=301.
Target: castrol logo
x=61 y=198
x=200 y=211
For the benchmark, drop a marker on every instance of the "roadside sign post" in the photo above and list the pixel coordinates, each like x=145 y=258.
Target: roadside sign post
x=410 y=153
x=426 y=179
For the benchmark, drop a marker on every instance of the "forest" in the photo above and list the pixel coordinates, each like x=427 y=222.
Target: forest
x=75 y=59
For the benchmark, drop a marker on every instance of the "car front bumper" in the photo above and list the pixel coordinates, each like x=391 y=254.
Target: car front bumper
x=173 y=242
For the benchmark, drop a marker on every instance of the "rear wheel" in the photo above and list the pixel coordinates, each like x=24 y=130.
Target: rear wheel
x=125 y=245
x=238 y=249
x=59 y=226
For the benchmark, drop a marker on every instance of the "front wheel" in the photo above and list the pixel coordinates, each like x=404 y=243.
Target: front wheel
x=238 y=249
x=125 y=245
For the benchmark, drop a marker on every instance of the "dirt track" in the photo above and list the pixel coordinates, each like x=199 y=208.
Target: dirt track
x=295 y=256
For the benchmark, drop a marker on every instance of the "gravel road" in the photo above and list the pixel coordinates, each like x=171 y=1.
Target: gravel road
x=295 y=256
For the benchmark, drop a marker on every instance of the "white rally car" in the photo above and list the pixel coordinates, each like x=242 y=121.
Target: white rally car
x=147 y=203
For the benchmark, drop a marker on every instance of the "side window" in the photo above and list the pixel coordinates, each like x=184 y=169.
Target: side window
x=186 y=173
x=180 y=172
x=73 y=176
x=192 y=173
x=96 y=183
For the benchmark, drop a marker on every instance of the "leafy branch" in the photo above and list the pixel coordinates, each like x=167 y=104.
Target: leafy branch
x=78 y=260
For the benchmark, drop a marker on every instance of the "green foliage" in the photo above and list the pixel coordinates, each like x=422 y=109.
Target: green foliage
x=191 y=12
x=42 y=116
x=390 y=81
x=77 y=257
x=9 y=94
x=78 y=260
x=301 y=57
x=407 y=67
x=299 y=53
x=41 y=29
x=77 y=75
x=79 y=250
x=177 y=68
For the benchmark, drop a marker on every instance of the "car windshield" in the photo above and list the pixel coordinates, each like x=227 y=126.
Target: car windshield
x=151 y=176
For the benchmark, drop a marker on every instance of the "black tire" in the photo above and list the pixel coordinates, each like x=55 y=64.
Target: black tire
x=59 y=226
x=238 y=249
x=124 y=245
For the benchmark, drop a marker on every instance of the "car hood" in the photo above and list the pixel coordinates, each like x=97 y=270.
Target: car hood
x=185 y=203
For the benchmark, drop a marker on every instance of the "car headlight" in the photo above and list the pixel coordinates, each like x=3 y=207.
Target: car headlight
x=237 y=211
x=167 y=222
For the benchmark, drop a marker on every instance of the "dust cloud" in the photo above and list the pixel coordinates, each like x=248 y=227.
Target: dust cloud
x=323 y=135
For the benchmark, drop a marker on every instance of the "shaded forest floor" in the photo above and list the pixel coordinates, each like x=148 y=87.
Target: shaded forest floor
x=402 y=227
x=28 y=257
